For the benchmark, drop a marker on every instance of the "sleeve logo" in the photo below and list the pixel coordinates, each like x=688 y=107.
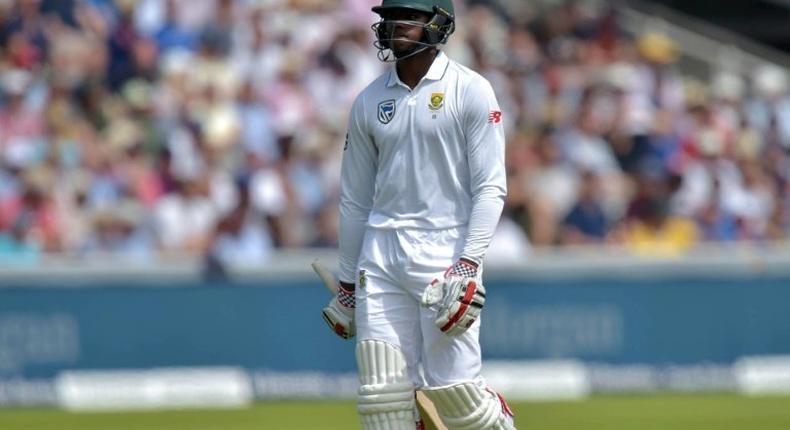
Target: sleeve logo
x=494 y=117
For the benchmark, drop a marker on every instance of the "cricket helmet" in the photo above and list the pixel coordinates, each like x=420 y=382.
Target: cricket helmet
x=436 y=31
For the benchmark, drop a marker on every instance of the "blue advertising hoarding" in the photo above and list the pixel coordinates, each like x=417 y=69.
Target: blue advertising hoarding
x=273 y=327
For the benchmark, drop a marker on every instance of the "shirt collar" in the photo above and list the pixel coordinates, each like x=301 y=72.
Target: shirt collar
x=435 y=72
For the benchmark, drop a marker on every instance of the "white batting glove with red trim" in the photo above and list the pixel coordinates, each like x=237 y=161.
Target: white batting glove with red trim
x=339 y=313
x=460 y=297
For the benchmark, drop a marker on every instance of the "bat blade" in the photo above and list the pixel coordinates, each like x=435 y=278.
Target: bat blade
x=428 y=412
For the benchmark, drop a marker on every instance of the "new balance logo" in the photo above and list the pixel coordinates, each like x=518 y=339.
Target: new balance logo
x=494 y=117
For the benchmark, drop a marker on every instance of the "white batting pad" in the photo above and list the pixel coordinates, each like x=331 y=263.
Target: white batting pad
x=386 y=395
x=467 y=406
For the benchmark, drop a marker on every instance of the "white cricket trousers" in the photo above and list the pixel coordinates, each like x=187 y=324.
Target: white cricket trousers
x=395 y=266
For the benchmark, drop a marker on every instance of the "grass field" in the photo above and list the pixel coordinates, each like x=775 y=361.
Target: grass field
x=648 y=412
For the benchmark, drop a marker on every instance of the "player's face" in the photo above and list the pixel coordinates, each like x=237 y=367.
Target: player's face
x=403 y=33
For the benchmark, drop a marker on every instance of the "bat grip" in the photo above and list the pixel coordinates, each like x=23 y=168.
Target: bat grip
x=329 y=280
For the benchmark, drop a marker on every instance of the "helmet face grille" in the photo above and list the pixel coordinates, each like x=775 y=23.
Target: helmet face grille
x=434 y=33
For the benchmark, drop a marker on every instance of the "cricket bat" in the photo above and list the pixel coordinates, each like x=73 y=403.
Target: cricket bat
x=427 y=410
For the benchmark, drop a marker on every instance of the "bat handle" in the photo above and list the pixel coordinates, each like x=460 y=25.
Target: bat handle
x=329 y=280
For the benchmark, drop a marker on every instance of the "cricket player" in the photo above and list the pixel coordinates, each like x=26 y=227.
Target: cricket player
x=422 y=189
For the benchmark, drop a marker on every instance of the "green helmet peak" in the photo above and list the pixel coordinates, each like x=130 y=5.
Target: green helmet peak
x=421 y=5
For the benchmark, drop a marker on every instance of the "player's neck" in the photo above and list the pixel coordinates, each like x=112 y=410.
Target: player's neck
x=411 y=70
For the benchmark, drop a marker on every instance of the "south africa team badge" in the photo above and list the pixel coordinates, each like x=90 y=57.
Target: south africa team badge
x=437 y=101
x=386 y=111
x=363 y=280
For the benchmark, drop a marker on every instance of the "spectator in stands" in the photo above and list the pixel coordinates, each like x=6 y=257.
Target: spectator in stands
x=586 y=222
x=119 y=230
x=17 y=244
x=172 y=33
x=659 y=234
x=551 y=187
x=185 y=218
x=21 y=125
x=240 y=238
x=715 y=223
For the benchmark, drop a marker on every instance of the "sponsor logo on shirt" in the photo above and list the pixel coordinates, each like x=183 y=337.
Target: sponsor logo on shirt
x=494 y=117
x=386 y=111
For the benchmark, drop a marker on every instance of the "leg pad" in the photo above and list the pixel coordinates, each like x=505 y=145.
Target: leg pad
x=386 y=394
x=467 y=406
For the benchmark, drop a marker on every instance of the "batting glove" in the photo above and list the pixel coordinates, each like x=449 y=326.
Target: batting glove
x=339 y=313
x=460 y=297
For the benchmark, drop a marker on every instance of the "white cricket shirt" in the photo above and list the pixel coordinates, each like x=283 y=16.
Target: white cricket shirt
x=432 y=158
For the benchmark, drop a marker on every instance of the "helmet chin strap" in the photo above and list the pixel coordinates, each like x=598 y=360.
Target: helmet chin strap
x=388 y=55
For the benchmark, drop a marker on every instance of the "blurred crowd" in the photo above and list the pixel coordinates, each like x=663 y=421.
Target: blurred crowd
x=216 y=127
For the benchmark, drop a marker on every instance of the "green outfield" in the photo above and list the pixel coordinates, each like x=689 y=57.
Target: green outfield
x=644 y=412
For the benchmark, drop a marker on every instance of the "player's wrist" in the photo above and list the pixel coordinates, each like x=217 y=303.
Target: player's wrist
x=348 y=286
x=474 y=262
x=346 y=296
x=465 y=267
